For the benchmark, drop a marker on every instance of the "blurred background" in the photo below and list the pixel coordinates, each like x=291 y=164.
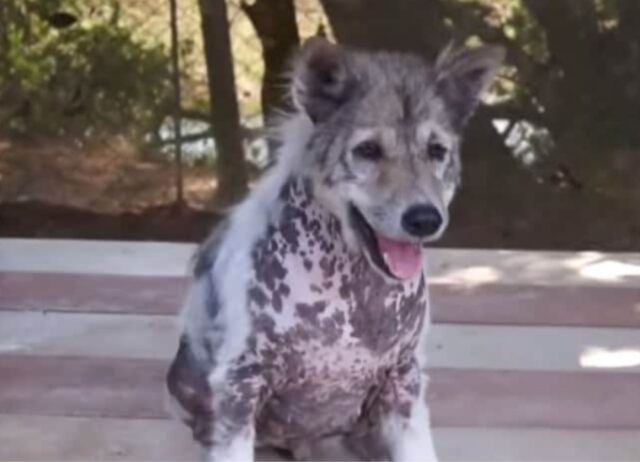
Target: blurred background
x=144 y=119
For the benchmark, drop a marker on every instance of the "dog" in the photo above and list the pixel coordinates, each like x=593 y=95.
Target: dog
x=307 y=312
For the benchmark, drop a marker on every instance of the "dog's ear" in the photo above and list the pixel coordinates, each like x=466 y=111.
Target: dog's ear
x=321 y=79
x=462 y=76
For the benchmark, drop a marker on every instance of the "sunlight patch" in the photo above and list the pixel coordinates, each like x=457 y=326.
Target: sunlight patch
x=9 y=347
x=583 y=259
x=470 y=277
x=602 y=358
x=610 y=270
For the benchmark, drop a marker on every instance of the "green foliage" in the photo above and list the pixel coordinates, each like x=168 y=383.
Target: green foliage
x=524 y=30
x=64 y=69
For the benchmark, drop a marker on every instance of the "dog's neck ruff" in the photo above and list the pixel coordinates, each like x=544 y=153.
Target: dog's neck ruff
x=305 y=217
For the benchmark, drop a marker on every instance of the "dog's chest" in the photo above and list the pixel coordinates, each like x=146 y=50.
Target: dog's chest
x=326 y=325
x=309 y=289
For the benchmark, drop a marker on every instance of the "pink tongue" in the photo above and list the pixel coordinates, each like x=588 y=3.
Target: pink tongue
x=403 y=259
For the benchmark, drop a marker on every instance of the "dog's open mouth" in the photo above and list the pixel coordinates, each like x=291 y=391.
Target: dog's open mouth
x=400 y=260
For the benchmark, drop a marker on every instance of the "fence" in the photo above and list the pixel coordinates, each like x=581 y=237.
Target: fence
x=151 y=24
x=150 y=21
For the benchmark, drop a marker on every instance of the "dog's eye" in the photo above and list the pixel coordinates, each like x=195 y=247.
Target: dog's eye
x=436 y=151
x=368 y=150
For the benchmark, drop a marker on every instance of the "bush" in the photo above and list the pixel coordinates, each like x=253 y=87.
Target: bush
x=66 y=69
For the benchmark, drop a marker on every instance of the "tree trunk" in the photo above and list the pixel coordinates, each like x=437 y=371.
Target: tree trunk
x=276 y=26
x=225 y=116
x=399 y=25
x=177 y=96
x=277 y=29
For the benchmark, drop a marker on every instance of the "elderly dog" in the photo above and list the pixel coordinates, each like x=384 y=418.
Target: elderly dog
x=309 y=304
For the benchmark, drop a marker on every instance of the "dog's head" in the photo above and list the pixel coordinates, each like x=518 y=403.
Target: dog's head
x=384 y=151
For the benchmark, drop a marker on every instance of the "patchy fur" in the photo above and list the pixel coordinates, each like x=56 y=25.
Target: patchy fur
x=299 y=326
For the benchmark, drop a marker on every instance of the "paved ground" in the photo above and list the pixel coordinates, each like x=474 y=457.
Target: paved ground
x=535 y=356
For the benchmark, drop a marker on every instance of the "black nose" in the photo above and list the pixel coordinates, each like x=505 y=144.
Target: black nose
x=421 y=220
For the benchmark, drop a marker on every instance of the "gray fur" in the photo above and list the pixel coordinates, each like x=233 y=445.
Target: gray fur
x=205 y=256
x=331 y=347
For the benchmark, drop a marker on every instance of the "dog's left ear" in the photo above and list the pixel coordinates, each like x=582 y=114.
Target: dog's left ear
x=321 y=79
x=463 y=75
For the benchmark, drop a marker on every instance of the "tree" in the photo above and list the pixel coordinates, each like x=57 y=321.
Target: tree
x=225 y=115
x=276 y=26
x=67 y=69
x=177 y=92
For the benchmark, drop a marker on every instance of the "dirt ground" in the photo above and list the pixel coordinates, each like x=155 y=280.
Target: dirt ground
x=64 y=189
x=100 y=190
x=102 y=176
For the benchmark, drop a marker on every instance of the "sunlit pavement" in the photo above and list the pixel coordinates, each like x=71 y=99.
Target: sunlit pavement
x=534 y=355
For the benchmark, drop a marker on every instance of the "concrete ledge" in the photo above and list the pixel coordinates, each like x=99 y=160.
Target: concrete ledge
x=455 y=266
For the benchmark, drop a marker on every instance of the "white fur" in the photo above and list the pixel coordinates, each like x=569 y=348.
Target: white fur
x=194 y=319
x=421 y=353
x=231 y=274
x=233 y=266
x=239 y=449
x=410 y=440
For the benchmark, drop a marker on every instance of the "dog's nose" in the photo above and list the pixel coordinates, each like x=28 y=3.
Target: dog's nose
x=421 y=220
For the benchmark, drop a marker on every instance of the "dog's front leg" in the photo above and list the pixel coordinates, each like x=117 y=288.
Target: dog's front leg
x=237 y=448
x=235 y=401
x=406 y=427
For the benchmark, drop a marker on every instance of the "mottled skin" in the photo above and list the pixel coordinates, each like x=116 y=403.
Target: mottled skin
x=333 y=340
x=332 y=332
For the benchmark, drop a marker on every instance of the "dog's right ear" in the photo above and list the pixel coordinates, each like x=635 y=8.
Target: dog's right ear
x=321 y=79
x=463 y=74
